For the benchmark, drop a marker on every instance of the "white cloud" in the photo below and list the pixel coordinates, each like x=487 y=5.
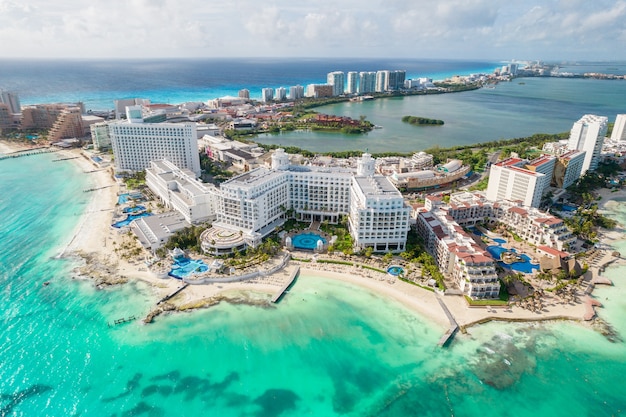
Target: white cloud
x=542 y=29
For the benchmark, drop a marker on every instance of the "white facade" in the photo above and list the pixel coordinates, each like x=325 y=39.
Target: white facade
x=379 y=217
x=179 y=189
x=587 y=135
x=336 y=79
x=619 y=129
x=382 y=81
x=296 y=92
x=281 y=94
x=255 y=203
x=267 y=94
x=136 y=144
x=508 y=180
x=352 y=82
x=367 y=82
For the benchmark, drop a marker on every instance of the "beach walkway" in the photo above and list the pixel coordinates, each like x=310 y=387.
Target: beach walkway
x=276 y=298
x=454 y=327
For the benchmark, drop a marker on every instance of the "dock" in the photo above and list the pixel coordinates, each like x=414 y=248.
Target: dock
x=276 y=298
x=454 y=327
x=172 y=295
x=123 y=320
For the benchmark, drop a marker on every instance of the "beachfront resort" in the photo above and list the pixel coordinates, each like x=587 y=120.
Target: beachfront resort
x=285 y=209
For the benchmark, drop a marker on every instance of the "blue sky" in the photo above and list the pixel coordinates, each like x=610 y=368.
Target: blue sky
x=467 y=29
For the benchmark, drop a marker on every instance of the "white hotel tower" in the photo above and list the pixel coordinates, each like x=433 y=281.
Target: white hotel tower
x=136 y=143
x=587 y=135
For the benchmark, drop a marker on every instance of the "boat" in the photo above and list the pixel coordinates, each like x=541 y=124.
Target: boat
x=507 y=362
x=45 y=284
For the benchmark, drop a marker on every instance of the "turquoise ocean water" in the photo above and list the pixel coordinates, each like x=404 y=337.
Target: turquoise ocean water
x=328 y=349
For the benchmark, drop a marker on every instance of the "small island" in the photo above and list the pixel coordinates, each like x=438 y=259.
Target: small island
x=422 y=121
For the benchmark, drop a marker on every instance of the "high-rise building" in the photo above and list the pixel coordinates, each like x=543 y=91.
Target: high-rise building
x=587 y=135
x=267 y=94
x=244 y=93
x=336 y=79
x=136 y=143
x=382 y=79
x=352 y=82
x=11 y=100
x=281 y=94
x=319 y=90
x=567 y=168
x=367 y=82
x=619 y=129
x=517 y=180
x=296 y=92
x=100 y=136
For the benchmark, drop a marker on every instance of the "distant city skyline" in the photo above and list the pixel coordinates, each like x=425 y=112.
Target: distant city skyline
x=463 y=29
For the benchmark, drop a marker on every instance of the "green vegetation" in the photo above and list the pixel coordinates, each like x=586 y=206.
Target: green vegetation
x=213 y=171
x=185 y=239
x=416 y=253
x=332 y=261
x=344 y=241
x=422 y=121
x=480 y=185
x=135 y=180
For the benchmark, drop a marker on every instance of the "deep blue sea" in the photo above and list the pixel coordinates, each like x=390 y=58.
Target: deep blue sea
x=98 y=83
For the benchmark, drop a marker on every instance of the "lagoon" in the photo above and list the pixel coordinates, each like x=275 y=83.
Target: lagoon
x=511 y=110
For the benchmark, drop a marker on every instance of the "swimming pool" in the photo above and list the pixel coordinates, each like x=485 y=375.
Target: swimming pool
x=183 y=267
x=499 y=240
x=395 y=270
x=135 y=209
x=307 y=240
x=129 y=219
x=524 y=265
x=475 y=230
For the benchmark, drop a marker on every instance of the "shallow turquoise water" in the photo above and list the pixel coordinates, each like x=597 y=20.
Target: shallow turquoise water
x=326 y=349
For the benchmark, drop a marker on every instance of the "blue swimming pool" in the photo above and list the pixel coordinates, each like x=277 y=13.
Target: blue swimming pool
x=500 y=241
x=476 y=231
x=567 y=207
x=135 y=209
x=129 y=219
x=183 y=267
x=395 y=270
x=307 y=240
x=524 y=265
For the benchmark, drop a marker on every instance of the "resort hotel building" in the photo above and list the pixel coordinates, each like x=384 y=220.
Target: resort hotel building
x=442 y=226
x=520 y=180
x=136 y=143
x=247 y=208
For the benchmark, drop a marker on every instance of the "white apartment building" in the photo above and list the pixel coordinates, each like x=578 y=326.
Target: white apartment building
x=509 y=180
x=568 y=168
x=619 y=128
x=587 y=135
x=352 y=79
x=135 y=144
x=336 y=79
x=179 y=189
x=367 y=82
x=382 y=80
x=296 y=92
x=281 y=94
x=267 y=94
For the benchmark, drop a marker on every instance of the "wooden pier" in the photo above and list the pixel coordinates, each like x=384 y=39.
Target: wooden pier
x=168 y=297
x=276 y=298
x=454 y=327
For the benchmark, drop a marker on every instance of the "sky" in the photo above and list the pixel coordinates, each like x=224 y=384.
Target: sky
x=451 y=29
